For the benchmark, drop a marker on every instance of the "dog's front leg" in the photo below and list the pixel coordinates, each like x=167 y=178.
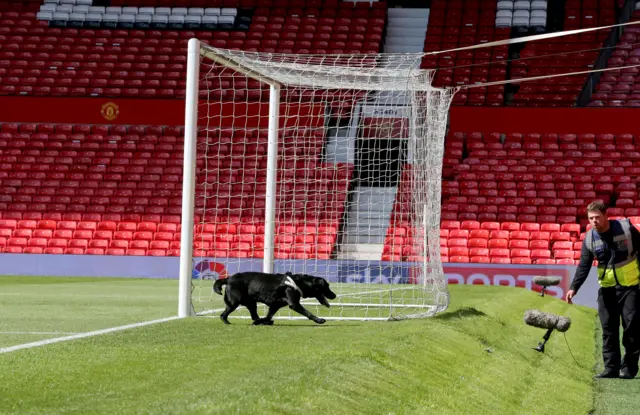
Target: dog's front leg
x=293 y=298
x=268 y=320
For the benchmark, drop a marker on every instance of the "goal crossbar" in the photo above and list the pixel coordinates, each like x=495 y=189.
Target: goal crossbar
x=366 y=72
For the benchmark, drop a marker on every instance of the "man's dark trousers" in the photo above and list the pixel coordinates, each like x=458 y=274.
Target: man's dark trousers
x=615 y=303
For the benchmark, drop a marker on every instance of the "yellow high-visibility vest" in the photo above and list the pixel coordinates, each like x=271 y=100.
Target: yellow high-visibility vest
x=622 y=269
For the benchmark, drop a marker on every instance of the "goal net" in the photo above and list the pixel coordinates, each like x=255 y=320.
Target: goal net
x=327 y=165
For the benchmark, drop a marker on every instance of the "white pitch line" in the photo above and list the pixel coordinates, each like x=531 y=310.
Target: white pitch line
x=216 y=310
x=37 y=332
x=83 y=335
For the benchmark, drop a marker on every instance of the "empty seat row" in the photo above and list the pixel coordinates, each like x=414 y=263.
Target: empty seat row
x=162 y=59
x=566 y=138
x=533 y=63
x=167 y=11
x=522 y=5
x=521 y=18
x=69 y=2
x=129 y=20
x=558 y=240
x=110 y=216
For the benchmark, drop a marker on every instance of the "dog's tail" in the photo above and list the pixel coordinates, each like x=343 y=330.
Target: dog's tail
x=217 y=286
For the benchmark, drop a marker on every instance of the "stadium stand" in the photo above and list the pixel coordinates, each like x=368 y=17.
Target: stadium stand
x=116 y=190
x=454 y=24
x=524 y=187
x=469 y=236
x=618 y=89
x=101 y=190
x=565 y=55
x=125 y=60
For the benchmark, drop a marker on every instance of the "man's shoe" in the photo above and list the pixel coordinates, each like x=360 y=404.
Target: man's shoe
x=608 y=374
x=626 y=374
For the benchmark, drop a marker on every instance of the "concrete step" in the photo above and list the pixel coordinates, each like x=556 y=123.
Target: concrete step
x=362 y=248
x=372 y=226
x=415 y=42
x=400 y=31
x=407 y=22
x=375 y=196
x=367 y=218
x=408 y=12
x=363 y=239
x=359 y=257
x=401 y=49
x=363 y=252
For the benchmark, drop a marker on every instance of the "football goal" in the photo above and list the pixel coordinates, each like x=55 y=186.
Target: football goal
x=327 y=165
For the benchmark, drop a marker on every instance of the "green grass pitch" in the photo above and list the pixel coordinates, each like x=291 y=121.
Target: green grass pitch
x=475 y=358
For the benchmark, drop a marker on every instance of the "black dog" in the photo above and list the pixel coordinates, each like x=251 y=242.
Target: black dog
x=274 y=290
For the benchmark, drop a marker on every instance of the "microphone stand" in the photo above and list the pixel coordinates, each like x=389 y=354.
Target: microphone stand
x=540 y=347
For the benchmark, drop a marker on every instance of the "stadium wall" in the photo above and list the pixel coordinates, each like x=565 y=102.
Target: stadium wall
x=349 y=272
x=171 y=112
x=148 y=112
x=545 y=120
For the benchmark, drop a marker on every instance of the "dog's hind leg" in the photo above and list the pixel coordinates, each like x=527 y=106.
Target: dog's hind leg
x=268 y=320
x=253 y=310
x=230 y=309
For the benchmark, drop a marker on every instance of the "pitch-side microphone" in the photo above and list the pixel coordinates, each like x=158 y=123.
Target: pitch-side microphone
x=540 y=319
x=545 y=282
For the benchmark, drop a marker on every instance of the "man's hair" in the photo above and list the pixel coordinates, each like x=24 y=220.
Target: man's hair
x=597 y=207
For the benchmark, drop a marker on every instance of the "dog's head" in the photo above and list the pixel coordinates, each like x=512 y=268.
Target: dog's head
x=315 y=287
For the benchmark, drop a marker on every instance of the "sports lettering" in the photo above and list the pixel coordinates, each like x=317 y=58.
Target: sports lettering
x=509 y=280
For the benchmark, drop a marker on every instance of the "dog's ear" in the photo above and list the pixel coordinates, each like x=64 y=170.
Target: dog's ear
x=305 y=284
x=322 y=285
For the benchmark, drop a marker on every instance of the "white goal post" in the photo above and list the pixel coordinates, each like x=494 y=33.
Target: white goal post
x=327 y=165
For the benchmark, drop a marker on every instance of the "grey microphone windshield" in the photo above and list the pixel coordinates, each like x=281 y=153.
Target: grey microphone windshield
x=546 y=281
x=540 y=319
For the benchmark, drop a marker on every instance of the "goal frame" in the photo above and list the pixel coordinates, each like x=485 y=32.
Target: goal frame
x=185 y=306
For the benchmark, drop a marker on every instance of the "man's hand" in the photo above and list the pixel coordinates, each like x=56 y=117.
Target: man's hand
x=569 y=296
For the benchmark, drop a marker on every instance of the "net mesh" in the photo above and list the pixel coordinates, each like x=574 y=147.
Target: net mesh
x=360 y=142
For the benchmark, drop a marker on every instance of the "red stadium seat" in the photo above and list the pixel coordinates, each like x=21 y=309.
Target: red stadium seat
x=522 y=253
x=559 y=236
x=478 y=243
x=479 y=233
x=450 y=224
x=539 y=244
x=518 y=244
x=540 y=236
x=457 y=242
x=522 y=235
x=458 y=251
x=459 y=259
x=491 y=226
x=459 y=233
x=537 y=254
x=563 y=254
x=550 y=227
x=480 y=259
x=499 y=252
x=499 y=235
